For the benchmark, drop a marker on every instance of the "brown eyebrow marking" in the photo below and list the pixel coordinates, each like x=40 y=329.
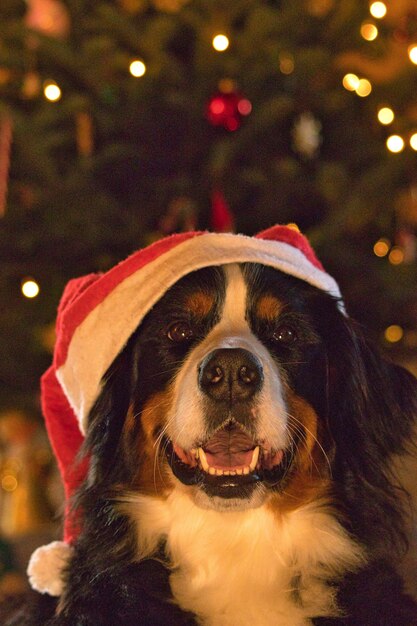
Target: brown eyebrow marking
x=268 y=307
x=200 y=303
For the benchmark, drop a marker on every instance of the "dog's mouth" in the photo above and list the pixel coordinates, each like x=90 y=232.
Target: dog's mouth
x=229 y=463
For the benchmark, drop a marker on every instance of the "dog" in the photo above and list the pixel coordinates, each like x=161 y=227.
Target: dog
x=240 y=466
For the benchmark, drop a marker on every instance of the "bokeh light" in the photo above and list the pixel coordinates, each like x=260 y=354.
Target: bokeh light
x=137 y=68
x=386 y=116
x=378 y=10
x=30 y=288
x=220 y=43
x=395 y=143
x=52 y=91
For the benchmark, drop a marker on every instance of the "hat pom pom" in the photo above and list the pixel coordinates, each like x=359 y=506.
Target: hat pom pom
x=46 y=566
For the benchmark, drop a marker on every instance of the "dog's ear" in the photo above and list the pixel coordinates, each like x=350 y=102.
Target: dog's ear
x=372 y=415
x=376 y=398
x=107 y=417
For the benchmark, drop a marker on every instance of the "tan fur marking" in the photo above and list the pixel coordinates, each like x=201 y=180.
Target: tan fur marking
x=152 y=476
x=268 y=307
x=200 y=303
x=311 y=479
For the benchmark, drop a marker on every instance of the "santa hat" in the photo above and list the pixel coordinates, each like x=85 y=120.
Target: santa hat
x=97 y=315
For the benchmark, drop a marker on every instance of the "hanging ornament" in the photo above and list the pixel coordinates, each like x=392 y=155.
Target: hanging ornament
x=222 y=220
x=84 y=133
x=228 y=106
x=49 y=17
x=6 y=130
x=306 y=137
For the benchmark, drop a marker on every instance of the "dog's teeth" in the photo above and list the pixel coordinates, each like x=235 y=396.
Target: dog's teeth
x=219 y=472
x=255 y=457
x=239 y=472
x=246 y=470
x=211 y=470
x=194 y=452
x=226 y=473
x=203 y=459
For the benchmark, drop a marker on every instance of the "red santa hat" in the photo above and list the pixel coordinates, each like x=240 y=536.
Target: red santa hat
x=97 y=315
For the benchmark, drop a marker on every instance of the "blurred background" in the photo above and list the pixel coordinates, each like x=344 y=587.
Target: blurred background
x=122 y=121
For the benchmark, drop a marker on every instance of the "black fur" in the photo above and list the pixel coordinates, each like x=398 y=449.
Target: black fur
x=367 y=408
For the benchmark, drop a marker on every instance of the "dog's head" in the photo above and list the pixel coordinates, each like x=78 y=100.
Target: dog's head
x=244 y=386
x=218 y=398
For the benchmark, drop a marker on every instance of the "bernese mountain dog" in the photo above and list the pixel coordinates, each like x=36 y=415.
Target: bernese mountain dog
x=241 y=453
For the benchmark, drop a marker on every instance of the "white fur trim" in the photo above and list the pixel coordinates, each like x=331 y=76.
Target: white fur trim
x=46 y=565
x=104 y=332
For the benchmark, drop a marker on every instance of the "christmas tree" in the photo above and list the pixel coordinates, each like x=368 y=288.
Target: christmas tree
x=124 y=120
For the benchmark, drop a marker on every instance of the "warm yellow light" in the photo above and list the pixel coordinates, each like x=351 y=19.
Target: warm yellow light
x=9 y=482
x=412 y=53
x=220 y=43
x=386 y=115
x=396 y=256
x=364 y=88
x=369 y=31
x=52 y=92
x=137 y=68
x=350 y=82
x=30 y=288
x=378 y=10
x=393 y=333
x=381 y=248
x=413 y=141
x=395 y=143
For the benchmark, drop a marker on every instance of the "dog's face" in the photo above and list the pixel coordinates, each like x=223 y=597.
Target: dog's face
x=228 y=381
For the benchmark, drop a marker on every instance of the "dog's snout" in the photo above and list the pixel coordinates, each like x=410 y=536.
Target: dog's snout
x=230 y=374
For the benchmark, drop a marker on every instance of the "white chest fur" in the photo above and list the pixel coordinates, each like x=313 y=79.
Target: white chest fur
x=247 y=568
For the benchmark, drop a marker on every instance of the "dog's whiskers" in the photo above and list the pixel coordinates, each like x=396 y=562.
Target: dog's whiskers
x=297 y=424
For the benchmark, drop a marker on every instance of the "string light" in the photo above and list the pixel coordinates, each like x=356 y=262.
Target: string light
x=395 y=143
x=396 y=256
x=412 y=53
x=381 y=248
x=413 y=141
x=364 y=88
x=51 y=91
x=350 y=82
x=378 y=10
x=393 y=333
x=369 y=31
x=386 y=116
x=30 y=288
x=137 y=68
x=220 y=43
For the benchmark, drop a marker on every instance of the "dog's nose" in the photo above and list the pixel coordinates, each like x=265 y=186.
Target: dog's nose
x=231 y=374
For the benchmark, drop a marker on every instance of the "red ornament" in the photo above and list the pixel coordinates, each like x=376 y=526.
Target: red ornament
x=222 y=220
x=227 y=109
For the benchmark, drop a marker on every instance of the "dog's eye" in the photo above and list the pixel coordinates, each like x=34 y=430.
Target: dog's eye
x=285 y=335
x=180 y=332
